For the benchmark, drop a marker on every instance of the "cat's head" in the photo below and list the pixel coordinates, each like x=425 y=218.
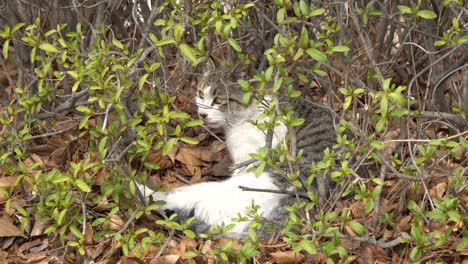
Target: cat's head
x=219 y=97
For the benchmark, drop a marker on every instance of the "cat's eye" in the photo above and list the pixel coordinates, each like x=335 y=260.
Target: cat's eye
x=219 y=101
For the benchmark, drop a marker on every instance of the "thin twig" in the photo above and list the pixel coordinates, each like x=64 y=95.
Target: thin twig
x=248 y=189
x=395 y=172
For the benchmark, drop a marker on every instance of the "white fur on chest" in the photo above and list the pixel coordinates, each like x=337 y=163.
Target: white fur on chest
x=246 y=138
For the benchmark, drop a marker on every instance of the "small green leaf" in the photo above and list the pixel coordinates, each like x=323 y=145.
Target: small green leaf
x=377 y=144
x=192 y=123
x=234 y=45
x=82 y=185
x=190 y=254
x=189 y=233
x=340 y=49
x=426 y=14
x=189 y=52
x=304 y=39
x=317 y=12
x=404 y=9
x=308 y=246
x=5 y=49
x=168 y=145
x=84 y=109
x=260 y=169
x=357 y=227
x=48 y=47
x=75 y=231
x=117 y=43
x=246 y=98
x=280 y=16
x=317 y=55
x=304 y=8
x=461 y=40
x=244 y=85
x=142 y=81
x=190 y=140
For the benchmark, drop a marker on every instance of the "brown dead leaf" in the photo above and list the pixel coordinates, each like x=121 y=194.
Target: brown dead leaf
x=39 y=160
x=36 y=257
x=157 y=157
x=7 y=182
x=439 y=190
x=167 y=259
x=116 y=223
x=187 y=243
x=404 y=224
x=8 y=228
x=88 y=237
x=287 y=257
x=388 y=137
x=28 y=245
x=186 y=156
x=39 y=226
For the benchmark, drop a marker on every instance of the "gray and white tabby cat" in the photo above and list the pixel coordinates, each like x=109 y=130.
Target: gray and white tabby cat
x=214 y=203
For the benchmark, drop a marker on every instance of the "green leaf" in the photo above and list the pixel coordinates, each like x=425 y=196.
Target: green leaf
x=304 y=8
x=163 y=42
x=189 y=52
x=317 y=55
x=280 y=16
x=190 y=140
x=347 y=102
x=377 y=144
x=317 y=12
x=117 y=43
x=426 y=14
x=5 y=49
x=142 y=80
x=192 y=123
x=357 y=227
x=84 y=109
x=82 y=185
x=190 y=254
x=234 y=45
x=340 y=49
x=48 y=47
x=246 y=98
x=75 y=231
x=304 y=39
x=404 y=9
x=260 y=169
x=308 y=246
x=189 y=233
x=168 y=145
x=380 y=124
x=244 y=85
x=460 y=40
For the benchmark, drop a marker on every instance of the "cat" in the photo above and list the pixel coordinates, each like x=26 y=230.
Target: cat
x=219 y=101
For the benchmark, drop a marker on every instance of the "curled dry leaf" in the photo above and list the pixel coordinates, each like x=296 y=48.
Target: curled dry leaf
x=116 y=223
x=439 y=190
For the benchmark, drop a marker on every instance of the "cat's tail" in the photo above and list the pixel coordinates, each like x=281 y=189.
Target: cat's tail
x=143 y=193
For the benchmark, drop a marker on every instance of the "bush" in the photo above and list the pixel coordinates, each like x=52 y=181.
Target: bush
x=97 y=104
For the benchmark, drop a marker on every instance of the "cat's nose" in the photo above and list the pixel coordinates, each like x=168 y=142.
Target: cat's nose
x=203 y=116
